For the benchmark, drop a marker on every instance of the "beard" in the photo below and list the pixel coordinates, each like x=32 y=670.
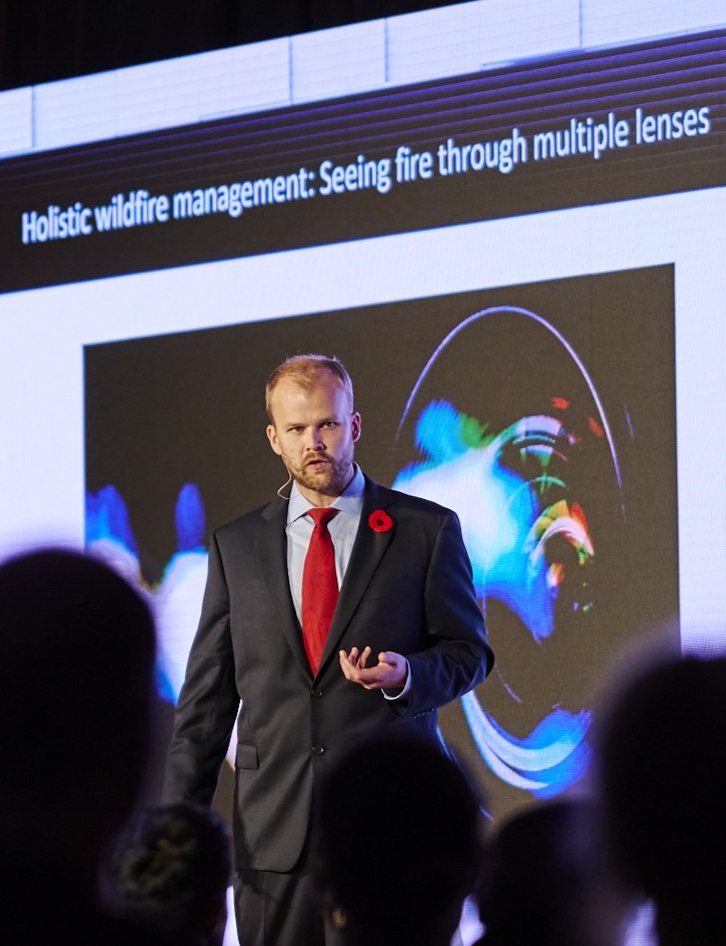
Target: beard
x=329 y=479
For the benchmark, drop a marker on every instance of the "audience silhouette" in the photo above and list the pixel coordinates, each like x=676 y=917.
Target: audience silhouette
x=400 y=823
x=662 y=774
x=171 y=872
x=546 y=880
x=77 y=653
x=400 y=842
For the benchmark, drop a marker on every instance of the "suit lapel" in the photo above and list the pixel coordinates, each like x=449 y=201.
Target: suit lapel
x=272 y=552
x=368 y=550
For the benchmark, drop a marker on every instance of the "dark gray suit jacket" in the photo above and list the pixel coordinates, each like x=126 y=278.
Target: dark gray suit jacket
x=408 y=589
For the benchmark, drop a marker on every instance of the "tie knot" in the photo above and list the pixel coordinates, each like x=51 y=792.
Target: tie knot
x=321 y=516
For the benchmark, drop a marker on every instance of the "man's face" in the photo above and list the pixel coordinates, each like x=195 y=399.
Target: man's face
x=314 y=434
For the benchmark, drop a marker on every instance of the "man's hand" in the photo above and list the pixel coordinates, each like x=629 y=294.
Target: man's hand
x=390 y=672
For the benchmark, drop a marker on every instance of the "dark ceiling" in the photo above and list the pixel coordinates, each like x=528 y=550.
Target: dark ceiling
x=45 y=40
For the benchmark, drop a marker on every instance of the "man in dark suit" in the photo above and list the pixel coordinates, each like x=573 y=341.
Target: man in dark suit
x=406 y=637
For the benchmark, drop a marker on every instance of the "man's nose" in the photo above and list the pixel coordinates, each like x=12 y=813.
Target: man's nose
x=316 y=440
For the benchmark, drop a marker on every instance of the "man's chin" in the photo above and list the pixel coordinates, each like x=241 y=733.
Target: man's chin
x=324 y=482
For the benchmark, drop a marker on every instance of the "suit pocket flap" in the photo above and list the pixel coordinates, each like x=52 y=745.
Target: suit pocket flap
x=246 y=757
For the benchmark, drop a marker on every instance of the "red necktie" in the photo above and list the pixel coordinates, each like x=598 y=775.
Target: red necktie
x=319 y=586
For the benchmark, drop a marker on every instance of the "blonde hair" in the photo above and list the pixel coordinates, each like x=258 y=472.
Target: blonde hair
x=306 y=371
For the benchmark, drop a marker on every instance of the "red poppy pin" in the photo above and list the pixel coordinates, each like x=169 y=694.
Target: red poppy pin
x=380 y=521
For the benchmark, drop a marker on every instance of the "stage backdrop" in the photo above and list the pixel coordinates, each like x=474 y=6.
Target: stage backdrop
x=542 y=413
x=508 y=222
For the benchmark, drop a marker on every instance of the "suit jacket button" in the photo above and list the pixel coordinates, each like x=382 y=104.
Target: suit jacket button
x=316 y=693
x=318 y=750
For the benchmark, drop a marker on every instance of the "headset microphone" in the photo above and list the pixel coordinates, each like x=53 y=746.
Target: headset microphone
x=286 y=483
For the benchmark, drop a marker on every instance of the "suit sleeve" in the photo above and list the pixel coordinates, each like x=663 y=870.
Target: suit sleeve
x=455 y=655
x=208 y=701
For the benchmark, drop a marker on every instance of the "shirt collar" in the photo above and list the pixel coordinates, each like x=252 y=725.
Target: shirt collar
x=350 y=500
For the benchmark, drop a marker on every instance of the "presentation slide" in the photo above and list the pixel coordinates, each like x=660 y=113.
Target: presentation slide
x=520 y=263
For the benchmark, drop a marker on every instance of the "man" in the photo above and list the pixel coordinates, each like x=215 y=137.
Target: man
x=406 y=637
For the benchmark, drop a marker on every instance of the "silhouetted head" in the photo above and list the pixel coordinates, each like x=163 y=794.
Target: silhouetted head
x=77 y=650
x=547 y=881
x=662 y=761
x=400 y=840
x=172 y=872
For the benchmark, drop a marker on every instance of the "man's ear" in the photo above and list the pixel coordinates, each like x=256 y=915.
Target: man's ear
x=274 y=442
x=356 y=426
